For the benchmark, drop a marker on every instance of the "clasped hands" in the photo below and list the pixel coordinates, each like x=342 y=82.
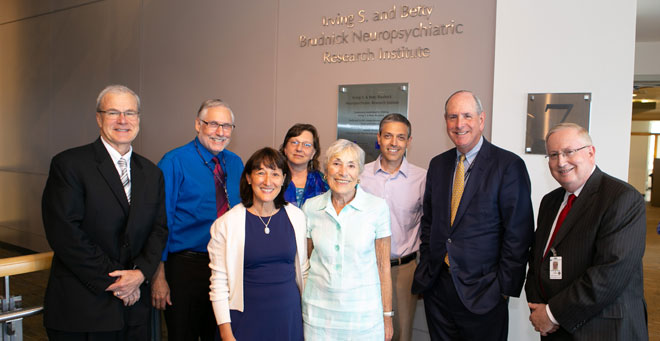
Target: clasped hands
x=540 y=319
x=127 y=285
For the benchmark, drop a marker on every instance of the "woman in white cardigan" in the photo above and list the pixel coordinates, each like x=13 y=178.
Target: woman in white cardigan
x=259 y=257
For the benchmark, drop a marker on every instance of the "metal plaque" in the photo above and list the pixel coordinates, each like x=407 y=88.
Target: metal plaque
x=362 y=106
x=544 y=111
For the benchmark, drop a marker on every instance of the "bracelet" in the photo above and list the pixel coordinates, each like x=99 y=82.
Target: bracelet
x=388 y=313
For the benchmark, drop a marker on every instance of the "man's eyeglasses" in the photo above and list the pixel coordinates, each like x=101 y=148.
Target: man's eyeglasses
x=306 y=145
x=215 y=125
x=114 y=114
x=567 y=154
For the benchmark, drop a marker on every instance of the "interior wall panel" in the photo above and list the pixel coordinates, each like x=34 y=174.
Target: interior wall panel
x=307 y=87
x=212 y=49
x=58 y=62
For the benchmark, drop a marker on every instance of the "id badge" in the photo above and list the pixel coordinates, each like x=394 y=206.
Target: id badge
x=555 y=267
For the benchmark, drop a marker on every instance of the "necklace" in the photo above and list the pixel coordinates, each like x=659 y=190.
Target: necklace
x=266 y=228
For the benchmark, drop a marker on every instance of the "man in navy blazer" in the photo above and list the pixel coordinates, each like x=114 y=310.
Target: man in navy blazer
x=104 y=215
x=585 y=279
x=469 y=267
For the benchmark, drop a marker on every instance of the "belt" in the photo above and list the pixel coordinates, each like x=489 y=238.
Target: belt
x=192 y=254
x=403 y=260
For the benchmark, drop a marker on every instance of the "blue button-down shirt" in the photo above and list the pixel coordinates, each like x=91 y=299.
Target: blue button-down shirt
x=190 y=194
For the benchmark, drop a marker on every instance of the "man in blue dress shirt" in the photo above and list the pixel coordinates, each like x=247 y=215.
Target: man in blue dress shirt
x=201 y=183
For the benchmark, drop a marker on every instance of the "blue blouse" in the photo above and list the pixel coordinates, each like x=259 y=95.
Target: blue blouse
x=314 y=186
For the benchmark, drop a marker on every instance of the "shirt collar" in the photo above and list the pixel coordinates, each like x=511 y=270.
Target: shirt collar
x=204 y=153
x=469 y=156
x=579 y=190
x=403 y=169
x=359 y=202
x=114 y=154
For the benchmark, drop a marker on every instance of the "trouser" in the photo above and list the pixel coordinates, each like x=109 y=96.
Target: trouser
x=138 y=333
x=403 y=301
x=449 y=319
x=191 y=315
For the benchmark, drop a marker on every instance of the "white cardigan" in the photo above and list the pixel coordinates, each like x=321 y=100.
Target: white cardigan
x=226 y=253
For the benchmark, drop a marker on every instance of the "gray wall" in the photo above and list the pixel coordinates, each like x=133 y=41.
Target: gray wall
x=55 y=58
x=57 y=55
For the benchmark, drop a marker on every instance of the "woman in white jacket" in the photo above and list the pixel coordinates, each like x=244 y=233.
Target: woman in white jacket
x=258 y=257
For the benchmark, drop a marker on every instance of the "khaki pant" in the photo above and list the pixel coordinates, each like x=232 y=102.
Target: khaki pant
x=404 y=303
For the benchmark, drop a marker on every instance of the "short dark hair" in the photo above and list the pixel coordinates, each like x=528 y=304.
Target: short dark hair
x=296 y=130
x=272 y=159
x=395 y=117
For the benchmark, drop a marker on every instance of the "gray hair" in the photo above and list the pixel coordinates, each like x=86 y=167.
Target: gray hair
x=583 y=133
x=115 y=89
x=213 y=103
x=477 y=102
x=341 y=146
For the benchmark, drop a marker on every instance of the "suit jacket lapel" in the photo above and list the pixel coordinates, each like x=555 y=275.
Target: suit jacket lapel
x=446 y=175
x=137 y=188
x=546 y=219
x=580 y=205
x=477 y=172
x=109 y=172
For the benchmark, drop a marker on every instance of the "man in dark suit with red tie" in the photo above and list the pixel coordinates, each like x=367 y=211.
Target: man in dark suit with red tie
x=104 y=216
x=476 y=229
x=585 y=269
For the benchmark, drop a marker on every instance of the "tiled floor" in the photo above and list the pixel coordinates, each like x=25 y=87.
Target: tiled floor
x=32 y=286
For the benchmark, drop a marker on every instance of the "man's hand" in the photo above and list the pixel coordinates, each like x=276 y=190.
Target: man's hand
x=132 y=298
x=127 y=285
x=540 y=320
x=160 y=290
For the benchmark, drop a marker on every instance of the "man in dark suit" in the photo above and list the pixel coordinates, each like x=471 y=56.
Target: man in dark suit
x=477 y=226
x=585 y=269
x=104 y=215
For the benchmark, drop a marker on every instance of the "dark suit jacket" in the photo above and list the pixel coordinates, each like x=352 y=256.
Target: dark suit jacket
x=489 y=242
x=93 y=231
x=601 y=242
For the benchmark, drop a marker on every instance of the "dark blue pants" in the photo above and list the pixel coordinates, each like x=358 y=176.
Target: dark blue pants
x=449 y=319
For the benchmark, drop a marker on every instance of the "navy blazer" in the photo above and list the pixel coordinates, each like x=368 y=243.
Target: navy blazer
x=601 y=293
x=493 y=228
x=93 y=231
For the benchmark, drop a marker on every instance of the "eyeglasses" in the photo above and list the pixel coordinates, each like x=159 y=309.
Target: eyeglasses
x=114 y=114
x=306 y=145
x=215 y=125
x=567 y=154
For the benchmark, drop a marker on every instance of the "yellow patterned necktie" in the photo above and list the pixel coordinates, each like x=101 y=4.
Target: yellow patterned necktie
x=457 y=190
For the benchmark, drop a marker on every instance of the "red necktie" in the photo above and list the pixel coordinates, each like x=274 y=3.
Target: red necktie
x=221 y=202
x=560 y=220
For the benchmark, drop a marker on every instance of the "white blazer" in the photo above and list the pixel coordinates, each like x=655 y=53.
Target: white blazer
x=226 y=253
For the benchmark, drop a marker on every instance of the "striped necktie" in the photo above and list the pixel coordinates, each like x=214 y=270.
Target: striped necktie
x=125 y=181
